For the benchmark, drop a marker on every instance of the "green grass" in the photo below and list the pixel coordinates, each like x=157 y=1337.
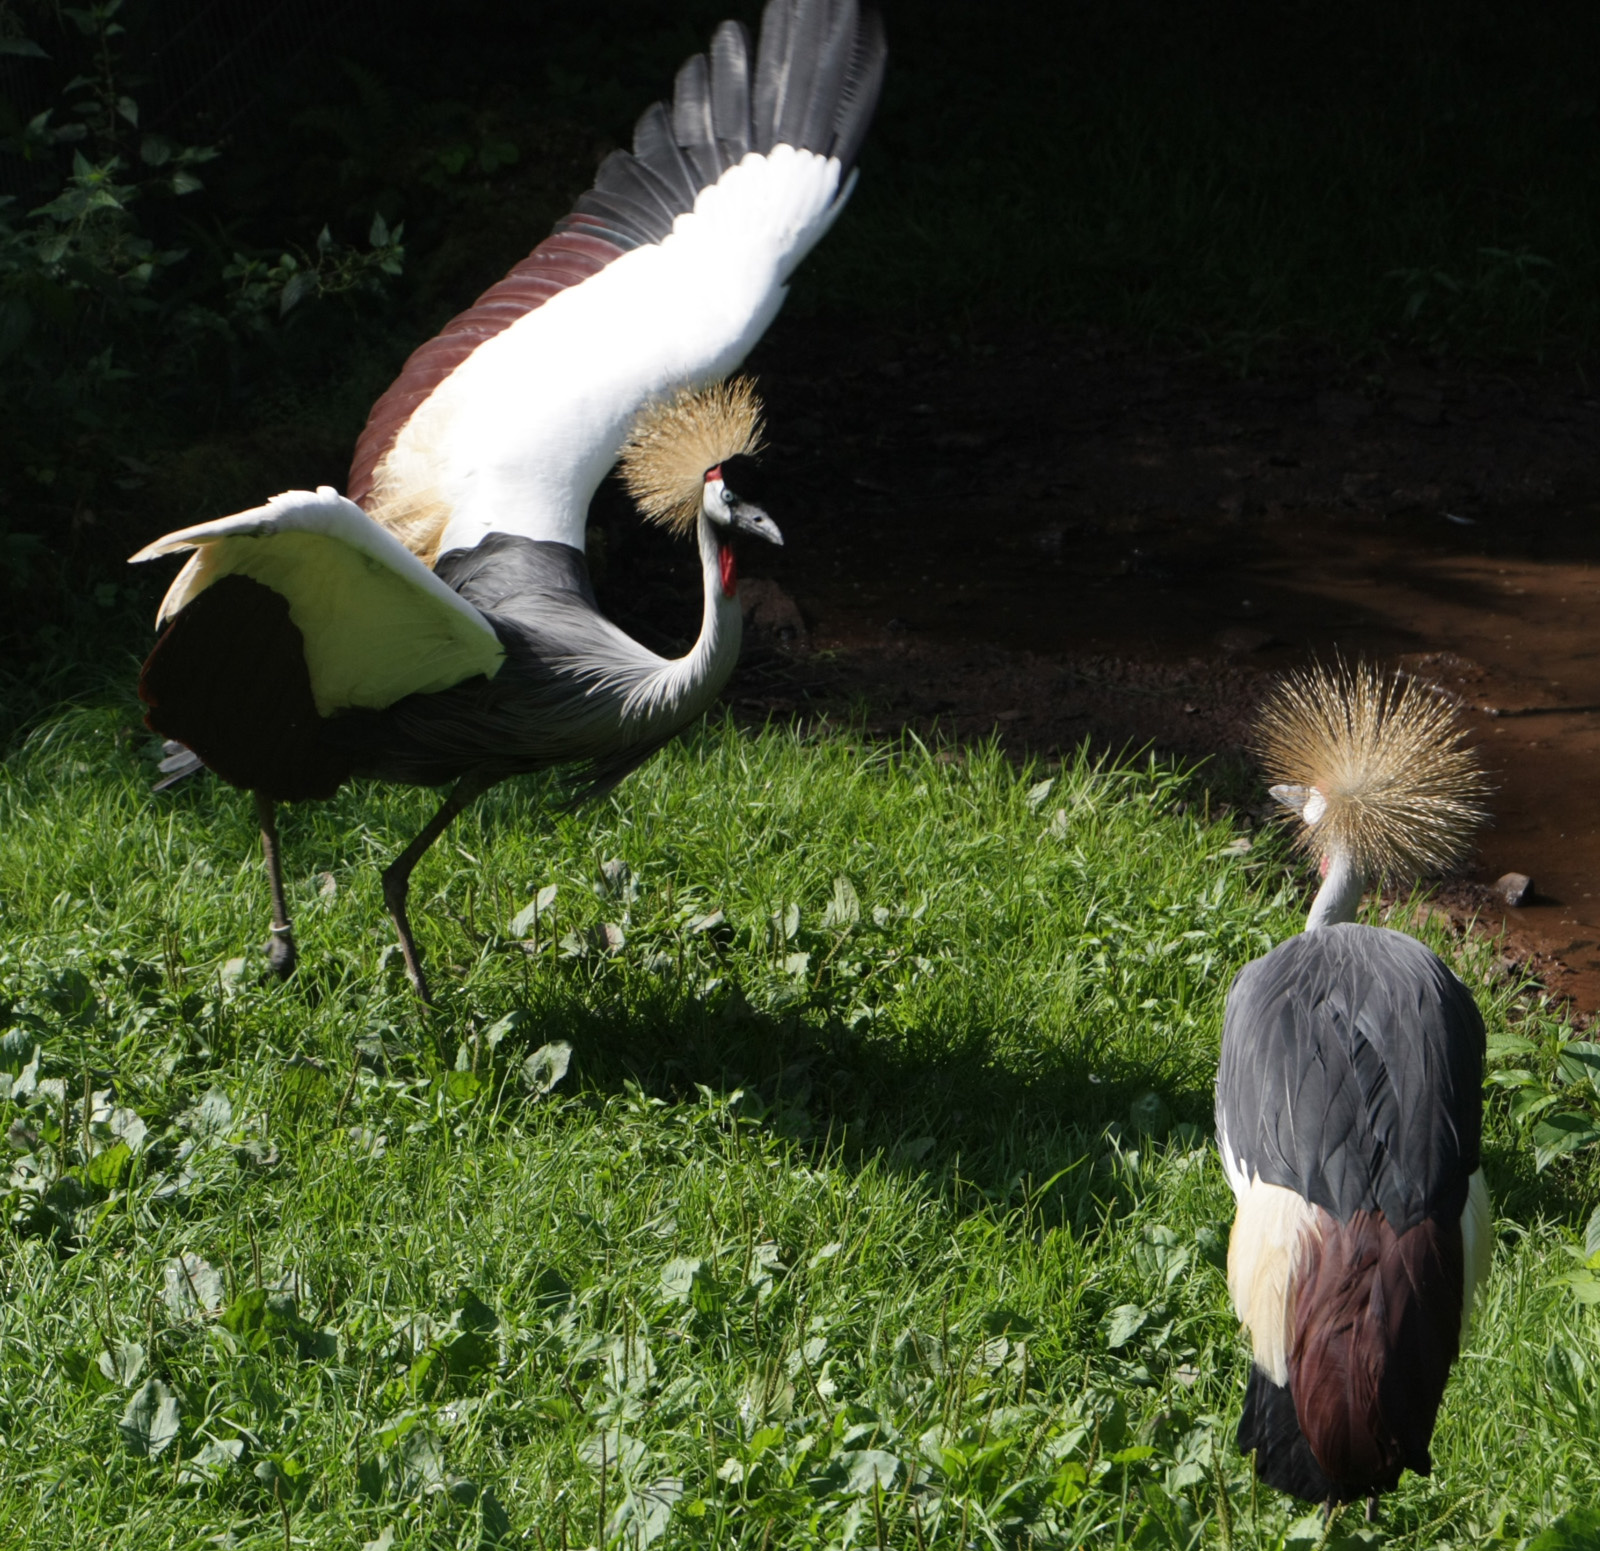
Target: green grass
x=875 y=1207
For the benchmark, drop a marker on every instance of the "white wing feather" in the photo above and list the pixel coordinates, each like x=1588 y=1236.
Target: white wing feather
x=377 y=624
x=519 y=436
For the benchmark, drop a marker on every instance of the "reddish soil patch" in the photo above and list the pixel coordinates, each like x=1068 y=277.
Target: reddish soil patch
x=1061 y=539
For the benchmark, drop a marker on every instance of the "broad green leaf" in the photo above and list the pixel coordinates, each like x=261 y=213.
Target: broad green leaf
x=129 y=1128
x=422 y=1459
x=123 y=1363
x=295 y=288
x=1562 y=1132
x=150 y=1421
x=628 y=1365
x=108 y=1168
x=1126 y=1321
x=844 y=909
x=1580 y=1063
x=611 y=1450
x=644 y=1513
x=212 y=1116
x=867 y=1470
x=546 y=1067
x=1585 y=1287
x=535 y=911
x=1577 y=1530
x=462 y=1086
x=191 y=1286
x=214 y=1460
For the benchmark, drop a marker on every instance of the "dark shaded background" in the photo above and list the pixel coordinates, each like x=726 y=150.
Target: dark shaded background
x=1238 y=180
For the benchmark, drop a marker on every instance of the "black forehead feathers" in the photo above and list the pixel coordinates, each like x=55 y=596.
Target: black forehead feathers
x=743 y=477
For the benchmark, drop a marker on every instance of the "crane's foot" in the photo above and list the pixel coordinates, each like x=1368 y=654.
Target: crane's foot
x=1372 y=1509
x=282 y=954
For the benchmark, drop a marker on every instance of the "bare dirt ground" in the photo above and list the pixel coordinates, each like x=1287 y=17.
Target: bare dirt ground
x=1056 y=538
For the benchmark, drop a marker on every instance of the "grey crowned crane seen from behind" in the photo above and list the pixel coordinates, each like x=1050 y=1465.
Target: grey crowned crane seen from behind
x=439 y=624
x=1349 y=1104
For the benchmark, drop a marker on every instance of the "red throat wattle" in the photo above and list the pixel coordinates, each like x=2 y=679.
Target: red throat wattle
x=730 y=574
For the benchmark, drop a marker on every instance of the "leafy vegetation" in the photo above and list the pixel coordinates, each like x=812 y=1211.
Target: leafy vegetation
x=812 y=1150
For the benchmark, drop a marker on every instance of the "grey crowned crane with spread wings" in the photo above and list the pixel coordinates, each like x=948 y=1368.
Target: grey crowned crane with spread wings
x=438 y=624
x=1349 y=1104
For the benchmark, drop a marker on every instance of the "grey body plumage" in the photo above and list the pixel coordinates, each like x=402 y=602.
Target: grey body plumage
x=1352 y=1074
x=575 y=691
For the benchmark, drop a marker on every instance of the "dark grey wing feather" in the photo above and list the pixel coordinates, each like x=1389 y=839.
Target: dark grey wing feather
x=631 y=183
x=1352 y=1074
x=693 y=126
x=730 y=89
x=773 y=68
x=863 y=82
x=815 y=85
x=811 y=115
x=655 y=147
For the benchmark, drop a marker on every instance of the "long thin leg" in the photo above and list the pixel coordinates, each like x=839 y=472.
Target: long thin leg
x=281 y=951
x=397 y=875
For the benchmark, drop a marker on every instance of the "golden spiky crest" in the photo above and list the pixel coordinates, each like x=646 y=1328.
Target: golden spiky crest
x=674 y=441
x=1387 y=755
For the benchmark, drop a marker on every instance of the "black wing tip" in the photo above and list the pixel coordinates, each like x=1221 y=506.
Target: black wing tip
x=820 y=68
x=817 y=74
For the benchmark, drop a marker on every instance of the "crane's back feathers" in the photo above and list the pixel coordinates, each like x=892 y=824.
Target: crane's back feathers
x=1403 y=794
x=1352 y=1074
x=676 y=441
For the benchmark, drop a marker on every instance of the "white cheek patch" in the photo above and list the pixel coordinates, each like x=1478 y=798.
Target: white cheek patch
x=715 y=501
x=1316 y=806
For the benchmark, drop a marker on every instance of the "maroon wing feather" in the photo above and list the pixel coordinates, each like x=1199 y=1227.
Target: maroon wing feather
x=568 y=258
x=1377 y=1327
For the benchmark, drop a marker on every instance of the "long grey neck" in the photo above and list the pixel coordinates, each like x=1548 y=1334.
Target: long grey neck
x=680 y=690
x=721 y=624
x=1340 y=895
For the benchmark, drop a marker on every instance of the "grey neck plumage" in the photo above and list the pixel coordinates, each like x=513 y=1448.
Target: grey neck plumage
x=1340 y=895
x=671 y=693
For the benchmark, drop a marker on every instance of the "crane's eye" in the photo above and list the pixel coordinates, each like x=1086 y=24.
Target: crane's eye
x=717 y=501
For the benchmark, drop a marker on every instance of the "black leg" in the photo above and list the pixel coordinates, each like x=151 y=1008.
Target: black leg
x=397 y=875
x=1372 y=1509
x=281 y=953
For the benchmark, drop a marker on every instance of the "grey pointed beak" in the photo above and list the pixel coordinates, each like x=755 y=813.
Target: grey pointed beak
x=751 y=519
